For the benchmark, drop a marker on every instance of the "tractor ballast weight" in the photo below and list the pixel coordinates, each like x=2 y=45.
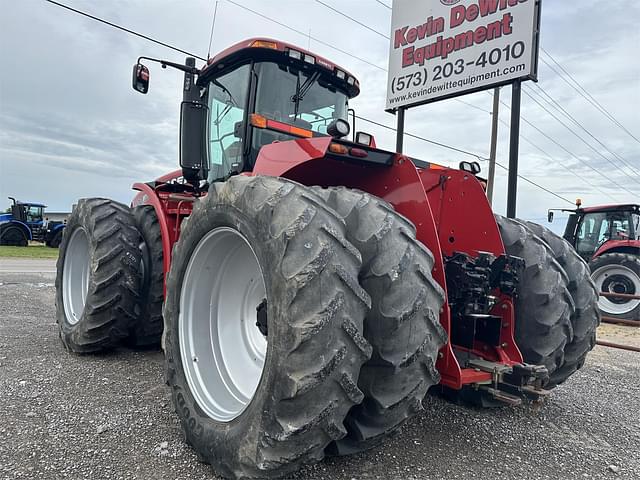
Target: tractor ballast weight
x=359 y=277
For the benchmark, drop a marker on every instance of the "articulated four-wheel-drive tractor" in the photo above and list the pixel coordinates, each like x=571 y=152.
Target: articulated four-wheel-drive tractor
x=309 y=289
x=608 y=237
x=25 y=222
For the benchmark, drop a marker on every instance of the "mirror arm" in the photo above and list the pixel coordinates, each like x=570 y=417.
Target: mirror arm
x=177 y=66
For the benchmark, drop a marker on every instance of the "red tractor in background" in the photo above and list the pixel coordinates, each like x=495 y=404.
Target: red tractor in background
x=310 y=289
x=608 y=238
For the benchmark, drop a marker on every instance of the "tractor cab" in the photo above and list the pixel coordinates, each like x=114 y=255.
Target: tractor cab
x=30 y=213
x=253 y=94
x=589 y=229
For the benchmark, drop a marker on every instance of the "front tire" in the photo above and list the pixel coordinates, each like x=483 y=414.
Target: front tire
x=269 y=406
x=13 y=236
x=617 y=273
x=98 y=276
x=544 y=305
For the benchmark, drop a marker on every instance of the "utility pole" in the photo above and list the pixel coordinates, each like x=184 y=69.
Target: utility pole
x=494 y=143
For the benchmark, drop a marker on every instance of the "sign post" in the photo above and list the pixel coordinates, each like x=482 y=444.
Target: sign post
x=446 y=48
x=514 y=138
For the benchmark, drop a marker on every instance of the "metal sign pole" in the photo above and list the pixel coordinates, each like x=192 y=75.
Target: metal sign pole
x=494 y=143
x=516 y=94
x=400 y=130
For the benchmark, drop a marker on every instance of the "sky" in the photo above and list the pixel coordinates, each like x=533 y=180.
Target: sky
x=71 y=126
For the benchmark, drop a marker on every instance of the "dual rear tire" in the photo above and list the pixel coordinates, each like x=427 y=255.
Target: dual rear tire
x=310 y=362
x=556 y=310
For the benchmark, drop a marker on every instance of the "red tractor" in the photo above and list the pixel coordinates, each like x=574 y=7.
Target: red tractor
x=309 y=288
x=608 y=237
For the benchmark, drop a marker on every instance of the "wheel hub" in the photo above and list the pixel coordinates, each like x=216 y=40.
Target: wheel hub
x=617 y=279
x=222 y=349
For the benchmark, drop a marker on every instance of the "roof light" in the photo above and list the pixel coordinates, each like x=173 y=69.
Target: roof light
x=265 y=44
x=351 y=81
x=295 y=54
x=340 y=74
x=309 y=59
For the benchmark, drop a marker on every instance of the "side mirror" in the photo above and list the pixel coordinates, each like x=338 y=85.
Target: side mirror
x=140 y=80
x=470 y=167
x=550 y=216
x=193 y=158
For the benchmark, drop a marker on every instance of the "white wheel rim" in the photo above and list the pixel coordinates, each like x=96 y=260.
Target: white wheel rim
x=616 y=279
x=75 y=275
x=222 y=350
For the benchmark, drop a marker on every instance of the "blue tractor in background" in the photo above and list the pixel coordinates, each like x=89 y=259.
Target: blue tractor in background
x=25 y=222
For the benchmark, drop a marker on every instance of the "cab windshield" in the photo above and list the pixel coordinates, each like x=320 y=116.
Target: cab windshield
x=283 y=93
x=598 y=228
x=317 y=105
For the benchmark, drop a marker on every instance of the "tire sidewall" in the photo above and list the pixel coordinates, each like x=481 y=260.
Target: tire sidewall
x=76 y=220
x=226 y=440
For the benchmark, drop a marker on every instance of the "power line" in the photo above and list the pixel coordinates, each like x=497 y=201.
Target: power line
x=353 y=19
x=433 y=142
x=524 y=119
x=572 y=172
x=538 y=185
x=584 y=93
x=131 y=32
x=579 y=137
x=467 y=153
x=383 y=4
x=306 y=35
x=553 y=102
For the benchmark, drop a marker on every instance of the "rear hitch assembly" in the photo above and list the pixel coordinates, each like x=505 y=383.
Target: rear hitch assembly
x=512 y=383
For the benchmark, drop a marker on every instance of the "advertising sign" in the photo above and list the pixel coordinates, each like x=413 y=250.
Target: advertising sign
x=446 y=48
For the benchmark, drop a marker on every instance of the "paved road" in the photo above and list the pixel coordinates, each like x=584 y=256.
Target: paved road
x=45 y=266
x=110 y=417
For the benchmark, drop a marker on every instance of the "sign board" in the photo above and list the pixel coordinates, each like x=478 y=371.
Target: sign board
x=446 y=48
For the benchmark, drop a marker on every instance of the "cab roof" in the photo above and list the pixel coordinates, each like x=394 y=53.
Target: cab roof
x=268 y=48
x=633 y=207
x=31 y=204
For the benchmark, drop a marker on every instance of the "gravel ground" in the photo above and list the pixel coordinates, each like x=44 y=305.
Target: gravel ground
x=110 y=416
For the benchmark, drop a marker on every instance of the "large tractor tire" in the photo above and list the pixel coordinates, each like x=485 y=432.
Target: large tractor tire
x=13 y=236
x=586 y=317
x=98 y=276
x=403 y=324
x=544 y=305
x=263 y=327
x=617 y=273
x=147 y=331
